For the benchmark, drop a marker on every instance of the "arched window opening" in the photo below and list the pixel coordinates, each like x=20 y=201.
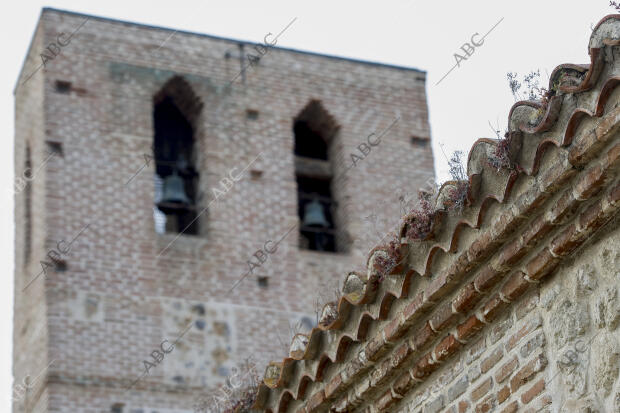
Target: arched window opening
x=176 y=178
x=309 y=143
x=313 y=130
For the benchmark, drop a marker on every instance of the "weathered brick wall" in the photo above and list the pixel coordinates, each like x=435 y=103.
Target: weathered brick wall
x=118 y=300
x=534 y=329
x=30 y=339
x=556 y=350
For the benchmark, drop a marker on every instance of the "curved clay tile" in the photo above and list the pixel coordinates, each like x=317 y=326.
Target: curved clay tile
x=272 y=374
x=573 y=122
x=591 y=77
x=606 y=91
x=298 y=346
x=365 y=301
x=354 y=287
x=605 y=29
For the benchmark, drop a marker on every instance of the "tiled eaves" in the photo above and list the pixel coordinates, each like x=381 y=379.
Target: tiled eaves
x=444 y=331
x=565 y=222
x=568 y=122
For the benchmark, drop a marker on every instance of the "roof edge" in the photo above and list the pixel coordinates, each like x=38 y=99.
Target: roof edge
x=229 y=39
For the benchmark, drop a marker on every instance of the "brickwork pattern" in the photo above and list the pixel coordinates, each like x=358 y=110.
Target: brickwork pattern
x=117 y=299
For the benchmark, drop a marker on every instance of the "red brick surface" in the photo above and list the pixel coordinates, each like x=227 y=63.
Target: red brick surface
x=105 y=125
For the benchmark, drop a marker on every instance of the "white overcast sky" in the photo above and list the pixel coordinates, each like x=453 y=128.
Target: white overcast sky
x=534 y=34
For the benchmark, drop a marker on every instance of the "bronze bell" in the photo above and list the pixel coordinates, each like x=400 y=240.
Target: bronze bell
x=314 y=215
x=174 y=190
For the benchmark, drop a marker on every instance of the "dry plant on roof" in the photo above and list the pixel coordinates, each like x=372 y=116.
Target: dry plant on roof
x=293 y=330
x=236 y=395
x=326 y=305
x=244 y=391
x=531 y=90
x=500 y=157
x=456 y=198
x=385 y=263
x=420 y=220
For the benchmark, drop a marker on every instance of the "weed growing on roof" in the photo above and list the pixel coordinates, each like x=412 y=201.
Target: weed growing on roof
x=236 y=395
x=514 y=84
x=419 y=220
x=457 y=193
x=456 y=167
x=500 y=157
x=385 y=263
x=326 y=305
x=244 y=394
x=532 y=89
x=457 y=196
x=293 y=330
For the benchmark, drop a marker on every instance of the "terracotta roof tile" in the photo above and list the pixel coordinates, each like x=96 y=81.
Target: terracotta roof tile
x=565 y=184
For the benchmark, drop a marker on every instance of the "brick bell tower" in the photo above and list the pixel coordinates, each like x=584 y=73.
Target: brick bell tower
x=173 y=186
